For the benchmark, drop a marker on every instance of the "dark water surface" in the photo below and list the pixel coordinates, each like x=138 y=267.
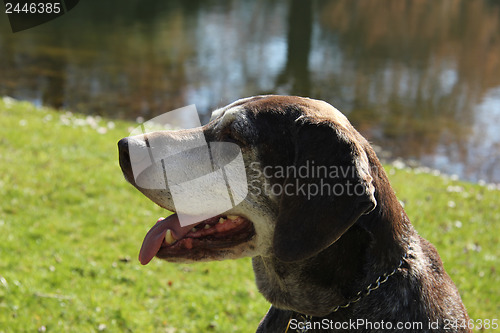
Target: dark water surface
x=419 y=78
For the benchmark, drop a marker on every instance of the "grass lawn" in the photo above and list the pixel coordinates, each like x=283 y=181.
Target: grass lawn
x=71 y=229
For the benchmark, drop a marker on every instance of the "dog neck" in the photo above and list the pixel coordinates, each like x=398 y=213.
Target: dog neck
x=372 y=247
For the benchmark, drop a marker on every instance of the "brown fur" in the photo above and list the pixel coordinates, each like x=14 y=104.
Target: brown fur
x=313 y=255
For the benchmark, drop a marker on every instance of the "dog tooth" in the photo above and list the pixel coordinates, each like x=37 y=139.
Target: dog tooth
x=207 y=226
x=232 y=217
x=169 y=239
x=222 y=220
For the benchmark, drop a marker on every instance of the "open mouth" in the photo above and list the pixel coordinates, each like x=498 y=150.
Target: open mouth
x=168 y=239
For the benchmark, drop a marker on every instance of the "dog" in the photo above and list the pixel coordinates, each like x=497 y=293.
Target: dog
x=326 y=258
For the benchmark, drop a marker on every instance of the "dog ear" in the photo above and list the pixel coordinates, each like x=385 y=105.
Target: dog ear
x=330 y=188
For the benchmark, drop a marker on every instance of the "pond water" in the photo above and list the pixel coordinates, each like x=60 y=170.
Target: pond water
x=419 y=78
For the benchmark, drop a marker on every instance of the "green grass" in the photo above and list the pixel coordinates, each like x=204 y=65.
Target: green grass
x=71 y=228
x=462 y=221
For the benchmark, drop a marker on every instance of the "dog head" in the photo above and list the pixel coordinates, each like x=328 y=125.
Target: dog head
x=308 y=179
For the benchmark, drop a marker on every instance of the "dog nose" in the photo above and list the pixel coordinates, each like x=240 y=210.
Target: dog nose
x=124 y=159
x=123 y=145
x=123 y=151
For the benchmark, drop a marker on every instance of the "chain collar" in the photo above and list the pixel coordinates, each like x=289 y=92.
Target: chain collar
x=362 y=293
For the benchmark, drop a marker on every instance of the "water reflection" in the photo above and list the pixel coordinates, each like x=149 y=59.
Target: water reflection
x=420 y=78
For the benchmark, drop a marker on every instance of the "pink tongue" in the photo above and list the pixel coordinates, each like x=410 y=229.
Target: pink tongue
x=154 y=238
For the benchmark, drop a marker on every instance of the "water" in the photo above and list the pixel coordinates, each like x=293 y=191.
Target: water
x=419 y=78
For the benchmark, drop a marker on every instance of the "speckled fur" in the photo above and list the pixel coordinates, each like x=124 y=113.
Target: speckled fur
x=310 y=256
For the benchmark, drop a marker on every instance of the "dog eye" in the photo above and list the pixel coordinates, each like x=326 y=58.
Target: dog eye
x=237 y=132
